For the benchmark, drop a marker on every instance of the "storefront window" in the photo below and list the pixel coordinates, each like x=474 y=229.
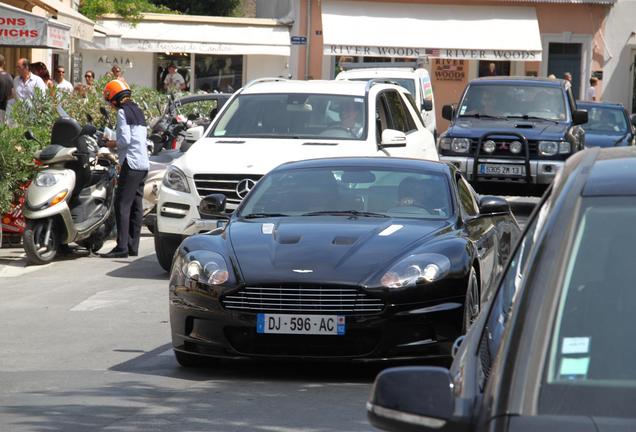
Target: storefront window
x=181 y=61
x=218 y=73
x=494 y=68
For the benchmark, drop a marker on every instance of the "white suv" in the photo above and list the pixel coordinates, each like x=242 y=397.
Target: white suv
x=272 y=121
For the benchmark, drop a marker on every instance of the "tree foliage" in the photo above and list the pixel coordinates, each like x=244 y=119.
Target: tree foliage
x=129 y=9
x=201 y=7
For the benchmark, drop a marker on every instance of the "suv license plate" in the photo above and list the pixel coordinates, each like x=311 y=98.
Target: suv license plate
x=301 y=324
x=501 y=169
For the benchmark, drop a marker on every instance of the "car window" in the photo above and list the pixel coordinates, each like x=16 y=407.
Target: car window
x=501 y=306
x=398 y=112
x=501 y=100
x=381 y=117
x=605 y=120
x=294 y=115
x=467 y=200
x=592 y=349
x=387 y=192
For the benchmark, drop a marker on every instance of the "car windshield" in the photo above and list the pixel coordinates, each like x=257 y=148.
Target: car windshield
x=294 y=115
x=592 y=360
x=357 y=192
x=517 y=101
x=606 y=120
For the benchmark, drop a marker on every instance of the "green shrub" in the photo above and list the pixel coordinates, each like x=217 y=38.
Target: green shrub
x=38 y=115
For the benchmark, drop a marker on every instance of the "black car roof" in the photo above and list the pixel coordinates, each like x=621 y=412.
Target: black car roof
x=612 y=172
x=548 y=82
x=368 y=162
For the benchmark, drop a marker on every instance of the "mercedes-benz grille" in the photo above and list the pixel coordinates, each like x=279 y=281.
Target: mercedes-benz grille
x=227 y=184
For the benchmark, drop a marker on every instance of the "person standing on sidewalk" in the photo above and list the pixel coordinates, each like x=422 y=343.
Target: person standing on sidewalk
x=26 y=83
x=133 y=159
x=6 y=89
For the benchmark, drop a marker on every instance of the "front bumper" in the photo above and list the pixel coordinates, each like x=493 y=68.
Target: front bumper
x=542 y=172
x=399 y=332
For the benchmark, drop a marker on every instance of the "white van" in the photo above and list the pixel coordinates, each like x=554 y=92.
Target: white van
x=416 y=81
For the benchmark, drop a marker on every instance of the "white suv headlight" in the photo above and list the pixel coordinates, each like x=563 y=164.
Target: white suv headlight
x=460 y=145
x=175 y=179
x=548 y=148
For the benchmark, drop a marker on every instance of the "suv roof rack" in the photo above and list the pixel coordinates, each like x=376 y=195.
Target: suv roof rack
x=264 y=79
x=374 y=81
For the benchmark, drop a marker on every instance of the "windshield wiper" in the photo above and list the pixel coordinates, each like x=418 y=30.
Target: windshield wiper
x=354 y=213
x=527 y=117
x=485 y=116
x=263 y=215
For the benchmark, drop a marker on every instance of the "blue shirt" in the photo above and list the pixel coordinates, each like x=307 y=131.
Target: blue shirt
x=131 y=143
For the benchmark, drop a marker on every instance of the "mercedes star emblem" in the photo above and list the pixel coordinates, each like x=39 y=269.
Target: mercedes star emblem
x=244 y=187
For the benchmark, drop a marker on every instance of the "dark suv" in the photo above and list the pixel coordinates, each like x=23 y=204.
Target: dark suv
x=514 y=132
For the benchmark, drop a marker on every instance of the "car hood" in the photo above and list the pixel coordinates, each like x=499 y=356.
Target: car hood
x=595 y=139
x=327 y=250
x=532 y=130
x=259 y=156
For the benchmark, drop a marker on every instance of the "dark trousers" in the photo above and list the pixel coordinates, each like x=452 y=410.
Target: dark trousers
x=129 y=208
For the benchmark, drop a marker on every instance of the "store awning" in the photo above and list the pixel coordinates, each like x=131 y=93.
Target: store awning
x=24 y=29
x=415 y=30
x=81 y=27
x=200 y=35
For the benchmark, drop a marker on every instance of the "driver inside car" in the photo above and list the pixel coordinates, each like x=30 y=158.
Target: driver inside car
x=415 y=195
x=351 y=117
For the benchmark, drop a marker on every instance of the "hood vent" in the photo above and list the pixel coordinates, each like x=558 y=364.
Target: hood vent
x=524 y=126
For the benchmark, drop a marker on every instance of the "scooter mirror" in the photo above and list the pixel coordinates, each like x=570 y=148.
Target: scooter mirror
x=104 y=111
x=29 y=135
x=89 y=118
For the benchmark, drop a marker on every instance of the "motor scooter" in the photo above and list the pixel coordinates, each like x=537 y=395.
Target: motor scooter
x=71 y=199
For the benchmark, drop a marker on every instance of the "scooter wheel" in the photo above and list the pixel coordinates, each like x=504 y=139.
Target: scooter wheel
x=33 y=240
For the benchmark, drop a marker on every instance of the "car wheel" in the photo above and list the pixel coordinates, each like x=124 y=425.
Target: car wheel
x=165 y=247
x=472 y=304
x=189 y=360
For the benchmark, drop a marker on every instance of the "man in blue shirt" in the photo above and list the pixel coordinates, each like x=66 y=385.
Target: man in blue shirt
x=133 y=160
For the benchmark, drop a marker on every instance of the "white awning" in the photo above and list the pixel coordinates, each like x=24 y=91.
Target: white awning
x=415 y=30
x=200 y=35
x=81 y=27
x=21 y=28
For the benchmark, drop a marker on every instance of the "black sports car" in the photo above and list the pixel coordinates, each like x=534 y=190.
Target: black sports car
x=348 y=258
x=553 y=348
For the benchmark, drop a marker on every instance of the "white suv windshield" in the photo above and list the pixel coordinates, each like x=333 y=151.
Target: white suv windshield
x=520 y=101
x=294 y=115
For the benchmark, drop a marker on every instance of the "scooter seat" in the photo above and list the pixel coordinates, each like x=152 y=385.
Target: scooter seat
x=49 y=152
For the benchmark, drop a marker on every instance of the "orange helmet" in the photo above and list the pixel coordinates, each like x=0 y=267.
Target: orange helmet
x=115 y=90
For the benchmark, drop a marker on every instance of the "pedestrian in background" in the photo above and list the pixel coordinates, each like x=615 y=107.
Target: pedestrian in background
x=590 y=93
x=40 y=69
x=568 y=80
x=117 y=73
x=26 y=83
x=174 y=81
x=60 y=81
x=6 y=89
x=133 y=158
x=89 y=77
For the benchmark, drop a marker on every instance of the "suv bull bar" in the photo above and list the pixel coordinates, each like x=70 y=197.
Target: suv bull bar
x=525 y=156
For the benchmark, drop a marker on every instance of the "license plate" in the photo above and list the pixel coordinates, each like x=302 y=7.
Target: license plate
x=501 y=169
x=301 y=324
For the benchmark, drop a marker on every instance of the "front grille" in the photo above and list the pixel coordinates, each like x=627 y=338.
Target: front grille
x=222 y=183
x=301 y=299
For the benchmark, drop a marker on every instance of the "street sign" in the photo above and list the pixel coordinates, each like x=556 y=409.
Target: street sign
x=299 y=40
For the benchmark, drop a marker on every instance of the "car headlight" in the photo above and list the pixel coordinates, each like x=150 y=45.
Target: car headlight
x=548 y=148
x=444 y=143
x=416 y=269
x=175 y=179
x=565 y=147
x=460 y=145
x=45 y=179
x=208 y=268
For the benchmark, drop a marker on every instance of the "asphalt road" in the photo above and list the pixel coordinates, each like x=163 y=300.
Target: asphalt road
x=85 y=346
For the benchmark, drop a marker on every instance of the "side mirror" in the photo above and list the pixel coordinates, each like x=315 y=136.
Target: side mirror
x=393 y=138
x=448 y=112
x=29 y=136
x=194 y=133
x=213 y=206
x=633 y=117
x=413 y=398
x=427 y=105
x=103 y=111
x=489 y=205
x=579 y=116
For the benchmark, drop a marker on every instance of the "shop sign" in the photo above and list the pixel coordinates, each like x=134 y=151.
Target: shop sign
x=449 y=70
x=114 y=60
x=22 y=29
x=464 y=54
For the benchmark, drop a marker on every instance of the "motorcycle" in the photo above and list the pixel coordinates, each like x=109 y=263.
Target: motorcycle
x=71 y=199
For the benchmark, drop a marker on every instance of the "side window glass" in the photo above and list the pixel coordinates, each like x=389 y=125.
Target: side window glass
x=397 y=110
x=571 y=101
x=467 y=200
x=413 y=112
x=501 y=309
x=381 y=120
